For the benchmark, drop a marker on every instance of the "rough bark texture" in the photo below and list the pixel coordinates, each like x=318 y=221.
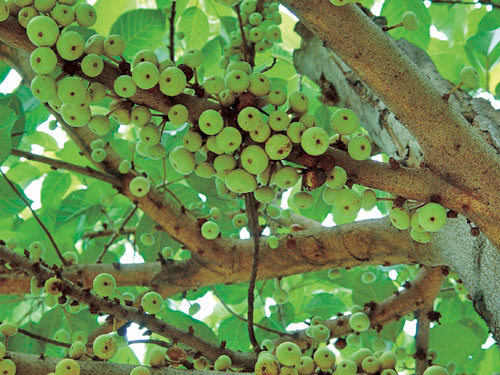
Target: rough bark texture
x=476 y=260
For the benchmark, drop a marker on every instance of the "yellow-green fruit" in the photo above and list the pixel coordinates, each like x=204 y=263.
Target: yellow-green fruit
x=77 y=350
x=8 y=329
x=53 y=286
x=240 y=181
x=157 y=357
x=105 y=346
x=324 y=358
x=370 y=364
x=67 y=367
x=7 y=367
x=222 y=363
x=152 y=302
x=359 y=321
x=266 y=365
x=435 y=370
x=140 y=370
x=288 y=353
x=104 y=285
x=305 y=366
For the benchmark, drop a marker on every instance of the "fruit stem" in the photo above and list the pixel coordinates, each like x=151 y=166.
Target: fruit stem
x=114 y=60
x=388 y=28
x=447 y=96
x=114 y=109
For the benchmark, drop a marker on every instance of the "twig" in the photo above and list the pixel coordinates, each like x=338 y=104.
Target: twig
x=214 y=291
x=170 y=182
x=270 y=66
x=115 y=236
x=171 y=46
x=253 y=225
x=47 y=232
x=42 y=338
x=106 y=177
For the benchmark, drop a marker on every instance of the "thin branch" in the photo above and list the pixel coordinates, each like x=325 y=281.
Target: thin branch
x=280 y=333
x=43 y=339
x=253 y=225
x=108 y=232
x=42 y=225
x=117 y=233
x=171 y=45
x=242 y=32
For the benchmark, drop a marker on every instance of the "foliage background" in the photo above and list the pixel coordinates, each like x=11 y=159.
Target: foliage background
x=70 y=207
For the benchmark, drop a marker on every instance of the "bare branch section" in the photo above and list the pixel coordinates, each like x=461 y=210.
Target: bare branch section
x=107 y=306
x=364 y=242
x=28 y=364
x=452 y=148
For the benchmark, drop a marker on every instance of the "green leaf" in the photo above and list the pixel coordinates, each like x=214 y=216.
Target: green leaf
x=8 y=117
x=4 y=71
x=126 y=356
x=108 y=12
x=393 y=10
x=24 y=344
x=490 y=21
x=491 y=361
x=13 y=102
x=141 y=29
x=235 y=333
x=23 y=173
x=443 y=339
x=194 y=25
x=183 y=321
x=10 y=203
x=53 y=189
x=232 y=294
x=325 y=305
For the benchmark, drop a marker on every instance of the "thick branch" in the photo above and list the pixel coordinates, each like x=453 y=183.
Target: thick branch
x=451 y=147
x=364 y=242
x=28 y=364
